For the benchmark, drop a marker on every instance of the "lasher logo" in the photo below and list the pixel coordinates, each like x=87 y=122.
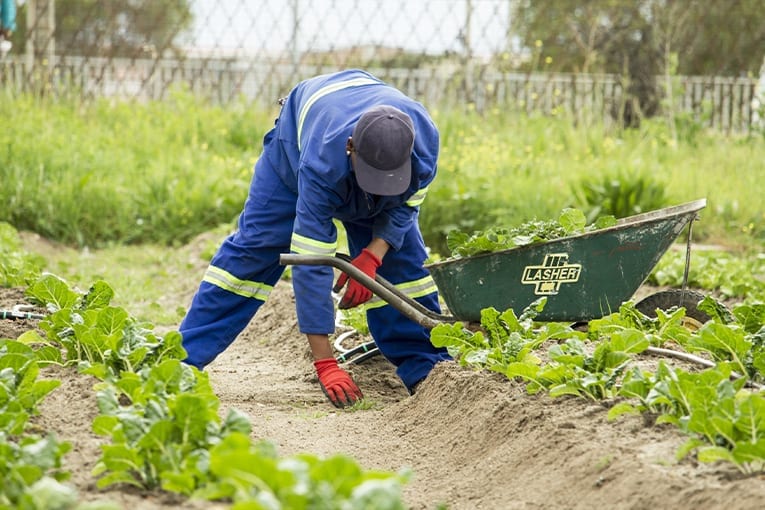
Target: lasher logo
x=554 y=270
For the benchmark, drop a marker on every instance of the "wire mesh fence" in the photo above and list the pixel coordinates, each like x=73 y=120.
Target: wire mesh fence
x=451 y=53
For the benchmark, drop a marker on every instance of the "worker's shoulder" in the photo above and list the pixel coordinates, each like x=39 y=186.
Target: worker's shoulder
x=335 y=79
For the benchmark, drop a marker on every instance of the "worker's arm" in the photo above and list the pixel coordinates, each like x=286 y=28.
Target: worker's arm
x=379 y=247
x=314 y=233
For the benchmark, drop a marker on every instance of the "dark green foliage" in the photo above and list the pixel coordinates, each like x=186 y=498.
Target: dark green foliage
x=620 y=195
x=570 y=222
x=137 y=29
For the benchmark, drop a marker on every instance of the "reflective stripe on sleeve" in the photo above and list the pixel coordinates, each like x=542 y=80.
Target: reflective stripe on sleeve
x=307 y=246
x=226 y=281
x=323 y=92
x=413 y=289
x=418 y=198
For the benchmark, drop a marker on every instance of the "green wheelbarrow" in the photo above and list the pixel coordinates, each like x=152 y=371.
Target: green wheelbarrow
x=584 y=276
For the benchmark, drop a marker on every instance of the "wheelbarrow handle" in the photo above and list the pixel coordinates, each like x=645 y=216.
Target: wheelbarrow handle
x=379 y=286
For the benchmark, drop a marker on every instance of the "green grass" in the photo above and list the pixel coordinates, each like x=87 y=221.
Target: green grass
x=148 y=280
x=507 y=169
x=89 y=174
x=154 y=282
x=120 y=182
x=104 y=172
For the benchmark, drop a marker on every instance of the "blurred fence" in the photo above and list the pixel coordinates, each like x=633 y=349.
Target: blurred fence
x=450 y=53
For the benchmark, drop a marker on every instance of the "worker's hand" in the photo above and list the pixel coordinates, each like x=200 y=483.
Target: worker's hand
x=336 y=384
x=356 y=293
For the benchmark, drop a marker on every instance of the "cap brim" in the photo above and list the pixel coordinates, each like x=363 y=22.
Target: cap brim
x=383 y=182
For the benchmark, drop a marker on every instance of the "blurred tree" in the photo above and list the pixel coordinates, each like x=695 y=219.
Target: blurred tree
x=117 y=28
x=573 y=35
x=713 y=37
x=641 y=39
x=722 y=37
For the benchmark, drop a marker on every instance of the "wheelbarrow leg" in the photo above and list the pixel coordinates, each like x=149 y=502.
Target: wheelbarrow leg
x=360 y=353
x=356 y=354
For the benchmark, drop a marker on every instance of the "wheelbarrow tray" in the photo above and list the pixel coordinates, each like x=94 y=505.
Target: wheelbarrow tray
x=583 y=277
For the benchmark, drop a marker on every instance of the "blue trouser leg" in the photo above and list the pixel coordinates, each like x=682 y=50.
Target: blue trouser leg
x=402 y=341
x=250 y=259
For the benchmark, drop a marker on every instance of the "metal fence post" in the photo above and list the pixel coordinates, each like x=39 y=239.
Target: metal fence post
x=40 y=44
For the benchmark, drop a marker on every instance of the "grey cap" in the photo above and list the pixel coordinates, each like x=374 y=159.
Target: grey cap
x=383 y=140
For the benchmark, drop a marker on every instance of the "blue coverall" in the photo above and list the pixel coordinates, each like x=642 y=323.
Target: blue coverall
x=303 y=180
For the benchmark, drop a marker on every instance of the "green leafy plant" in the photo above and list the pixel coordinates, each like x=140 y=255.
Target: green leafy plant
x=639 y=388
x=30 y=465
x=99 y=338
x=573 y=371
x=724 y=419
x=505 y=338
x=667 y=326
x=355 y=318
x=17 y=267
x=726 y=273
x=622 y=194
x=253 y=476
x=595 y=376
x=162 y=432
x=20 y=389
x=570 y=222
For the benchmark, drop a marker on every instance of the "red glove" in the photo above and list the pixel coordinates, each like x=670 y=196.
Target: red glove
x=356 y=293
x=336 y=384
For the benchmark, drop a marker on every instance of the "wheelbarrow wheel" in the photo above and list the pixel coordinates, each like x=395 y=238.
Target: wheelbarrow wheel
x=675 y=298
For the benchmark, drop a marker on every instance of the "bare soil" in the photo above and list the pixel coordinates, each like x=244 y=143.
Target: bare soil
x=474 y=440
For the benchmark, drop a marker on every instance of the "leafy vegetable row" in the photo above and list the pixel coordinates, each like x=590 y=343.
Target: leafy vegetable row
x=162 y=417
x=30 y=463
x=728 y=274
x=716 y=407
